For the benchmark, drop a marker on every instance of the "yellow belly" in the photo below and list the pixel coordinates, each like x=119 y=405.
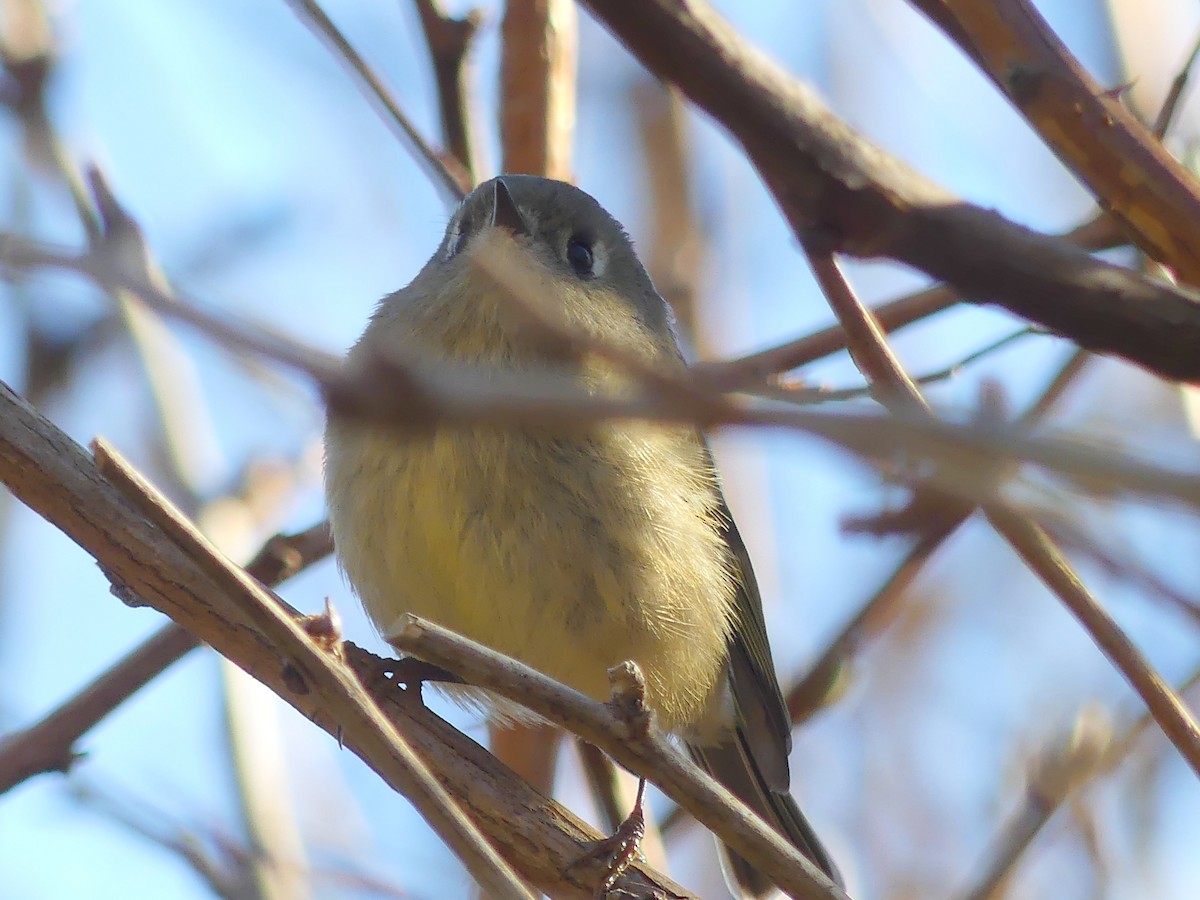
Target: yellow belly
x=568 y=554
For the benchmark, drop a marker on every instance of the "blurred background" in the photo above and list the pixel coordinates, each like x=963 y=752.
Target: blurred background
x=266 y=185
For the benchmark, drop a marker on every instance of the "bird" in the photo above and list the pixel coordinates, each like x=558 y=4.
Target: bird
x=574 y=548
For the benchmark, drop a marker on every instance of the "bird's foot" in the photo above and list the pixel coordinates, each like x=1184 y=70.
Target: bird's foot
x=619 y=850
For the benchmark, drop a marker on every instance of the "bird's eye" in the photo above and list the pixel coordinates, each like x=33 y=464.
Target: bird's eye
x=579 y=255
x=460 y=241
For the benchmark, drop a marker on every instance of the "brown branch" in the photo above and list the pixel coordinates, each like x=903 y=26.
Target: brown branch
x=537 y=84
x=426 y=391
x=871 y=353
x=52 y=475
x=1170 y=105
x=1058 y=772
x=877 y=362
x=675 y=250
x=446 y=170
x=624 y=729
x=843 y=194
x=449 y=41
x=886 y=378
x=824 y=677
x=747 y=371
x=1090 y=130
x=315 y=665
x=1044 y=559
x=49 y=745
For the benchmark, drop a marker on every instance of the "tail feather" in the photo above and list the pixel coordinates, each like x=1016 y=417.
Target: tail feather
x=732 y=765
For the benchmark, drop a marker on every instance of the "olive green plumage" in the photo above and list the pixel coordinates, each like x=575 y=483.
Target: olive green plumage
x=571 y=549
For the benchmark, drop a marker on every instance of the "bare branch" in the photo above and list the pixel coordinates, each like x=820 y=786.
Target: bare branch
x=316 y=667
x=843 y=194
x=52 y=475
x=631 y=738
x=537 y=83
x=49 y=745
x=449 y=41
x=1044 y=559
x=446 y=170
x=1088 y=128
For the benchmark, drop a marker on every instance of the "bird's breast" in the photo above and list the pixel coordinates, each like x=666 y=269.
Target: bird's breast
x=570 y=553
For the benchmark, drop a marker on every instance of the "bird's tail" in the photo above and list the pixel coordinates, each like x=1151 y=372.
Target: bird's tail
x=731 y=764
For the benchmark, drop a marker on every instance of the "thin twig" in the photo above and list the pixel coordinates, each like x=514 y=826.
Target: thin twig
x=1167 y=113
x=446 y=170
x=425 y=391
x=49 y=745
x=1045 y=561
x=1118 y=563
x=449 y=42
x=628 y=736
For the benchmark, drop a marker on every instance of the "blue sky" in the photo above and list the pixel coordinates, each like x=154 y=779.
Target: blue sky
x=267 y=186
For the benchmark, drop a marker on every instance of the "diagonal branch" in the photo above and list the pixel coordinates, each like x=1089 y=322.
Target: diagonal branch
x=316 y=666
x=446 y=170
x=843 y=194
x=877 y=362
x=49 y=745
x=1090 y=130
x=53 y=476
x=624 y=728
x=1045 y=561
x=449 y=41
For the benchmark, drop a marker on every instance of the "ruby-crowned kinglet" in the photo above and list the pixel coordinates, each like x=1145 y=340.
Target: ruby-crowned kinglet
x=575 y=550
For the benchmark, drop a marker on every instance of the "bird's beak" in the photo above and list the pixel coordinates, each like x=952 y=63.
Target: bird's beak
x=504 y=209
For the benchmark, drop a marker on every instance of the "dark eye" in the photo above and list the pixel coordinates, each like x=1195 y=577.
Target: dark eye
x=579 y=255
x=460 y=241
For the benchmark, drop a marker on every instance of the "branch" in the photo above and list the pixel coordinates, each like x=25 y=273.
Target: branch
x=843 y=194
x=625 y=730
x=446 y=170
x=424 y=391
x=747 y=371
x=449 y=41
x=1045 y=561
x=313 y=665
x=895 y=389
x=53 y=476
x=49 y=745
x=1088 y=128
x=537 y=84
